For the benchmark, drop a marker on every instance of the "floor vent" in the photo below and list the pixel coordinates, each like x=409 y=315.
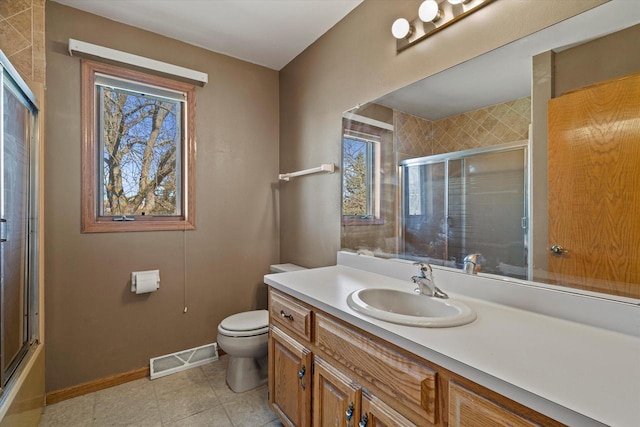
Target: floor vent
x=183 y=360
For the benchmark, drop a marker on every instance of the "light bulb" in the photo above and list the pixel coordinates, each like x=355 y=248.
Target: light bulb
x=401 y=28
x=429 y=11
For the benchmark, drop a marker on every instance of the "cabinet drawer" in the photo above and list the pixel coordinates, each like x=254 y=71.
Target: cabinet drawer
x=402 y=382
x=379 y=414
x=467 y=408
x=290 y=315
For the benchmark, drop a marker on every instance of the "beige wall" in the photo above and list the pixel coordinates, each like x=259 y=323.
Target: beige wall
x=356 y=62
x=602 y=59
x=95 y=326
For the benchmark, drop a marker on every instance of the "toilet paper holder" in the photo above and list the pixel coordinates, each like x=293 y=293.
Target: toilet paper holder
x=143 y=282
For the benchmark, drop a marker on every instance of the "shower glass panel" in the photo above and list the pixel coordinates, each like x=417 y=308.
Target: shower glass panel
x=18 y=216
x=473 y=201
x=425 y=207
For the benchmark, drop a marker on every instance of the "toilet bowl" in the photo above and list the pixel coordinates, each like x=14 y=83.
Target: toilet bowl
x=245 y=338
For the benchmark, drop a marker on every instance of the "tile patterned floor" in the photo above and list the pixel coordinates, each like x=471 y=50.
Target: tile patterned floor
x=193 y=398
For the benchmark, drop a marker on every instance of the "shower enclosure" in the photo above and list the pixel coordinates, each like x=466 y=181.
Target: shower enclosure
x=472 y=201
x=18 y=221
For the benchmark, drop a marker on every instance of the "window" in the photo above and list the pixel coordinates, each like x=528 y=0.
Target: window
x=138 y=151
x=360 y=163
x=414 y=179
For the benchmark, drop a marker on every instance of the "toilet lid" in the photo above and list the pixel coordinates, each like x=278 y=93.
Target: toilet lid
x=246 y=321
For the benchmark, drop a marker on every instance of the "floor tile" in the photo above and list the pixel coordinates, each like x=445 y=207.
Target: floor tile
x=250 y=410
x=179 y=380
x=70 y=413
x=217 y=371
x=130 y=404
x=192 y=398
x=215 y=417
x=181 y=403
x=129 y=389
x=152 y=420
x=225 y=394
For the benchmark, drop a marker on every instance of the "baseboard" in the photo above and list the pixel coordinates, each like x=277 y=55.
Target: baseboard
x=96 y=385
x=100 y=384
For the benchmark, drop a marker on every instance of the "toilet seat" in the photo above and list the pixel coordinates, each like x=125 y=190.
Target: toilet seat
x=246 y=324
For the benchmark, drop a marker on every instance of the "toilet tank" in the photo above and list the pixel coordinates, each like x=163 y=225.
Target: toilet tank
x=285 y=268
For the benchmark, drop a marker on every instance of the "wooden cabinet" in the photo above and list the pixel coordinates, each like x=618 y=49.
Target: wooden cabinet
x=292 y=316
x=338 y=401
x=325 y=372
x=289 y=379
x=376 y=413
x=468 y=408
x=336 y=397
x=406 y=383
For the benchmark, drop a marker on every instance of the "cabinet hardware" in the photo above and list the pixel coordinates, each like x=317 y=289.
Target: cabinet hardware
x=349 y=412
x=286 y=315
x=301 y=373
x=123 y=218
x=363 y=421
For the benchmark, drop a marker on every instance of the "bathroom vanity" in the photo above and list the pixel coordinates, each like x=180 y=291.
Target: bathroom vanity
x=330 y=365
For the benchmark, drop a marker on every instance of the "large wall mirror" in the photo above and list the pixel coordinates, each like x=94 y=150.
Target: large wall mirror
x=527 y=155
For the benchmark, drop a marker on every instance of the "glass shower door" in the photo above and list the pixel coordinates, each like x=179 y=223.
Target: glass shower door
x=425 y=233
x=15 y=135
x=472 y=201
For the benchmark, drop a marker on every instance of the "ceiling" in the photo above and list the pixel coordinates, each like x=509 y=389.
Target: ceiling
x=505 y=73
x=265 y=32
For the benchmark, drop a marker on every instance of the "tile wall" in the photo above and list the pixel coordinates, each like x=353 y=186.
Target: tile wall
x=496 y=124
x=22 y=37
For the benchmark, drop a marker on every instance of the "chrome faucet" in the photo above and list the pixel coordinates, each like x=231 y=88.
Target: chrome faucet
x=471 y=264
x=424 y=280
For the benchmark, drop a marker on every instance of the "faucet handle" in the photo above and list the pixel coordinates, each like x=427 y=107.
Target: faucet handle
x=424 y=266
x=472 y=263
x=472 y=258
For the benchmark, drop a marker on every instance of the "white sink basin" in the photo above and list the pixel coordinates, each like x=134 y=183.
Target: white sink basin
x=410 y=309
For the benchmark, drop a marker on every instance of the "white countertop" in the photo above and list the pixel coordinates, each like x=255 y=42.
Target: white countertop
x=577 y=374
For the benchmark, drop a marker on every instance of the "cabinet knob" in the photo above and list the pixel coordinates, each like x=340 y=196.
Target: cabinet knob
x=286 y=315
x=350 y=412
x=363 y=421
x=301 y=374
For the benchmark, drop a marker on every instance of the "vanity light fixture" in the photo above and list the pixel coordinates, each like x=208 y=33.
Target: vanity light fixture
x=433 y=16
x=429 y=11
x=401 y=28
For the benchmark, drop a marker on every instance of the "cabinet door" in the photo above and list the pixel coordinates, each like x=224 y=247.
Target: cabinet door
x=390 y=375
x=336 y=398
x=289 y=379
x=376 y=413
x=468 y=409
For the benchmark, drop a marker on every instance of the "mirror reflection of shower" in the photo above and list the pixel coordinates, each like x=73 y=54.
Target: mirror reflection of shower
x=471 y=201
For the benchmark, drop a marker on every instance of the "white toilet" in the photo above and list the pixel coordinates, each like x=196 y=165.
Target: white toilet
x=244 y=337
